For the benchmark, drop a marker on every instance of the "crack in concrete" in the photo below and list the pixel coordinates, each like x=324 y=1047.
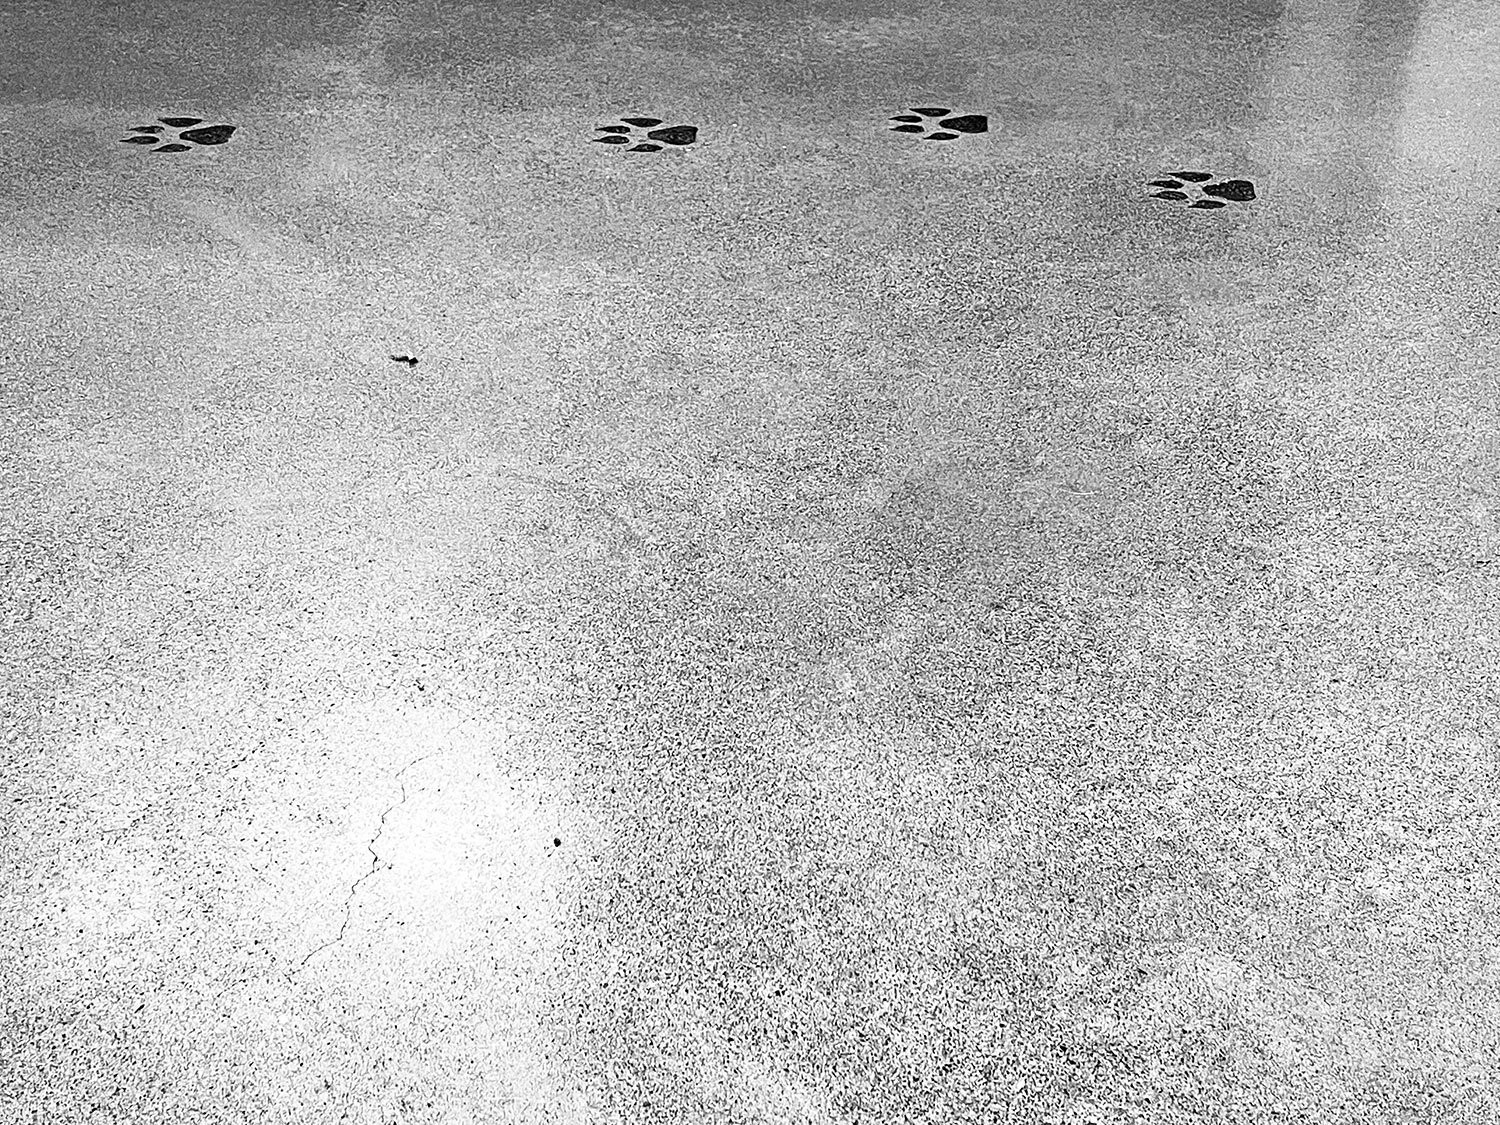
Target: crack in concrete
x=470 y=714
x=374 y=868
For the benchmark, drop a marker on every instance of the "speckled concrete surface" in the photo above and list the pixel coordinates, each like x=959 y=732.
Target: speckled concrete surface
x=834 y=628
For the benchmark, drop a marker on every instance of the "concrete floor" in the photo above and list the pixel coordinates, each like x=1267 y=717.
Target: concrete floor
x=835 y=627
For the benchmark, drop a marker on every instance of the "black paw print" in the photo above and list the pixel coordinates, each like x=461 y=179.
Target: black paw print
x=948 y=128
x=203 y=135
x=1180 y=187
x=624 y=134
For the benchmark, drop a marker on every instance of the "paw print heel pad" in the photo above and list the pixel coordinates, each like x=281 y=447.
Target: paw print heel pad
x=1240 y=191
x=676 y=135
x=208 y=135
